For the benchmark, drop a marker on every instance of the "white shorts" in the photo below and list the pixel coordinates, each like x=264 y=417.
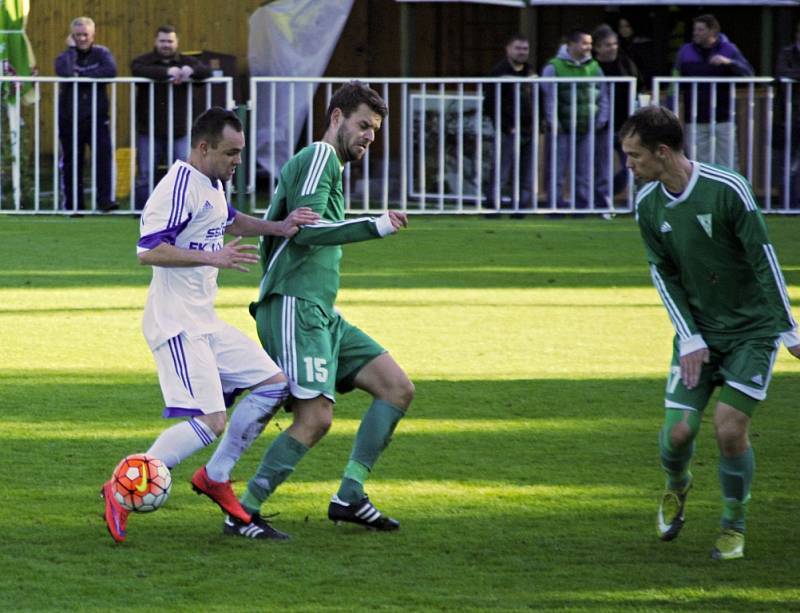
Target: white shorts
x=202 y=375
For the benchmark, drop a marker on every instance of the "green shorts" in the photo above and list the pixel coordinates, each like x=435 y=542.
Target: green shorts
x=743 y=366
x=320 y=354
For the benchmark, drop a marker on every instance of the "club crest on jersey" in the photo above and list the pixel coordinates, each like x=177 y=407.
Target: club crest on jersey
x=665 y=227
x=705 y=222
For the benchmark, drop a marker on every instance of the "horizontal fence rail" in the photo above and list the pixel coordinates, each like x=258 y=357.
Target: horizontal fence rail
x=46 y=167
x=449 y=146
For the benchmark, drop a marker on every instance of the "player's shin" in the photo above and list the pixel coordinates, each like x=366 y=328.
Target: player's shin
x=735 y=477
x=246 y=424
x=277 y=464
x=676 y=455
x=178 y=442
x=373 y=436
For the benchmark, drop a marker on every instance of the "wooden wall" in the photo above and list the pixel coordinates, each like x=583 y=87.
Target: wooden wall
x=127 y=27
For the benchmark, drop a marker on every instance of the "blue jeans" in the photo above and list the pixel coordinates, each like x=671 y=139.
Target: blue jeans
x=180 y=151
x=583 y=162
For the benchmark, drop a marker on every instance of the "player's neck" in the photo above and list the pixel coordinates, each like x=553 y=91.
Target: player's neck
x=677 y=175
x=198 y=165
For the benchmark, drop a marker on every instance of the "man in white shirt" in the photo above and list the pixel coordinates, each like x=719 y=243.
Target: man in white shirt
x=202 y=361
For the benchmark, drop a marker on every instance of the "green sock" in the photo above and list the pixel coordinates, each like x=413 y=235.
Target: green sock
x=276 y=466
x=372 y=438
x=735 y=477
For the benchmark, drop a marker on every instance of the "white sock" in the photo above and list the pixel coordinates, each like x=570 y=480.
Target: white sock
x=246 y=424
x=177 y=443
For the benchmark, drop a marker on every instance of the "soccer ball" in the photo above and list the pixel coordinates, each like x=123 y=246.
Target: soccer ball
x=141 y=483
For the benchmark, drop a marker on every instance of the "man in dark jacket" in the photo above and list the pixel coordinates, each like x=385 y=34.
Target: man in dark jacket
x=515 y=64
x=788 y=67
x=710 y=54
x=172 y=70
x=614 y=63
x=76 y=116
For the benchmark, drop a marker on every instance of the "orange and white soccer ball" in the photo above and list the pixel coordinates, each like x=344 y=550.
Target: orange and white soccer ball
x=142 y=483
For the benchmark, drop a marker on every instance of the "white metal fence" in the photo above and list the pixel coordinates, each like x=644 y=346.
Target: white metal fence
x=42 y=147
x=447 y=146
x=461 y=146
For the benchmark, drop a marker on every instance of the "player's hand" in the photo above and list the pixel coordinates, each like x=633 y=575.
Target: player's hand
x=795 y=351
x=233 y=255
x=398 y=219
x=691 y=365
x=719 y=60
x=299 y=217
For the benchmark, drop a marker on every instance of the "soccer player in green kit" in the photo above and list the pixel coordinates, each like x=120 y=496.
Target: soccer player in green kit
x=719 y=279
x=320 y=352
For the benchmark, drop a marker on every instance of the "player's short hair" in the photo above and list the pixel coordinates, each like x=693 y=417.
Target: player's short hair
x=574 y=36
x=210 y=124
x=166 y=29
x=352 y=95
x=82 y=21
x=709 y=20
x=655 y=125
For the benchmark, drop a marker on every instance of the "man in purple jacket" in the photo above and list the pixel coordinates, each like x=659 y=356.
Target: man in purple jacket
x=710 y=54
x=77 y=114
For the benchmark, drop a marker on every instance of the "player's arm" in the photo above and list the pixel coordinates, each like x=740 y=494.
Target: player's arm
x=751 y=230
x=316 y=180
x=159 y=230
x=351 y=230
x=232 y=255
x=247 y=225
x=666 y=279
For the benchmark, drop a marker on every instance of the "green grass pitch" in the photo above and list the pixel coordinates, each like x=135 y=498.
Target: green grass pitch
x=525 y=475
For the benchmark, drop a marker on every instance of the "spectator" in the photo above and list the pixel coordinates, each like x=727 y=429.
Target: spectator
x=82 y=58
x=788 y=67
x=614 y=63
x=172 y=70
x=710 y=54
x=574 y=59
x=515 y=64
x=640 y=50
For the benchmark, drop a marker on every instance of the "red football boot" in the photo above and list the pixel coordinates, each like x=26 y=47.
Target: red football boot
x=115 y=515
x=220 y=492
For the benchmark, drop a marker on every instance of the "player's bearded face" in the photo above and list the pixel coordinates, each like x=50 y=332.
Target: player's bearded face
x=356 y=133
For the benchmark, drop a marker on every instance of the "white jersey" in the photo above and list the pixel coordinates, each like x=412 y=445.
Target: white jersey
x=189 y=211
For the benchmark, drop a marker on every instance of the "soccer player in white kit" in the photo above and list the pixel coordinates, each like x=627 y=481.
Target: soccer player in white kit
x=203 y=362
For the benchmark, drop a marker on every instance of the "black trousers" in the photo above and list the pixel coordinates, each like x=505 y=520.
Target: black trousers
x=102 y=154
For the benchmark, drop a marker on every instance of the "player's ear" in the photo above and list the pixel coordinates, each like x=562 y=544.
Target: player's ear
x=337 y=117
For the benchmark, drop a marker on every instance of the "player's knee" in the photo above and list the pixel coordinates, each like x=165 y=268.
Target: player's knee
x=215 y=421
x=680 y=435
x=402 y=393
x=312 y=422
x=731 y=439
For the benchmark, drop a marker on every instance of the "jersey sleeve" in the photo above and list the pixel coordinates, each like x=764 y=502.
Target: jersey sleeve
x=167 y=213
x=666 y=279
x=751 y=230
x=316 y=186
x=348 y=231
